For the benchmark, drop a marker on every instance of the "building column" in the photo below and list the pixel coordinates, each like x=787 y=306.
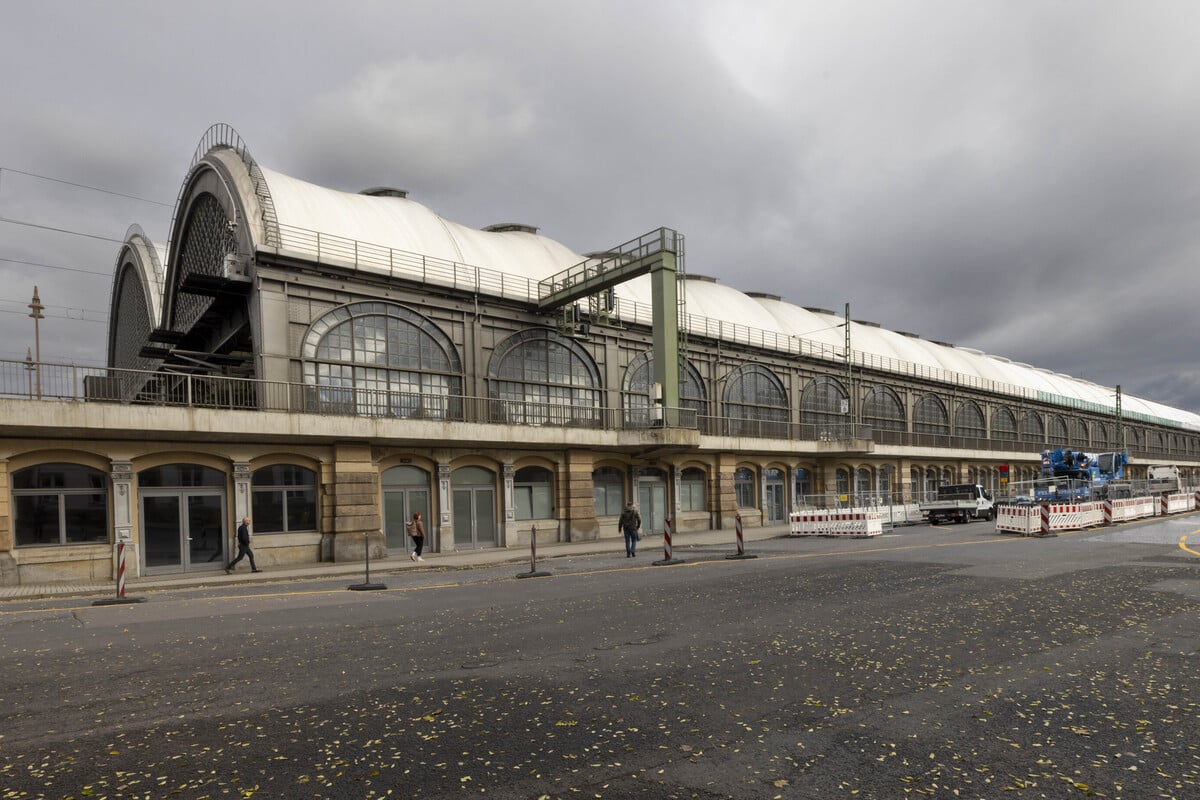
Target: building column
x=579 y=518
x=724 y=498
x=354 y=492
x=242 y=502
x=8 y=565
x=444 y=515
x=121 y=475
x=508 y=529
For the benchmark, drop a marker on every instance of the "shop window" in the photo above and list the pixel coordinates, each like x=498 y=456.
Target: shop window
x=533 y=493
x=59 y=504
x=284 y=499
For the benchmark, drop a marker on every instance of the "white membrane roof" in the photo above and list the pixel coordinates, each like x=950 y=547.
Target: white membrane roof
x=714 y=308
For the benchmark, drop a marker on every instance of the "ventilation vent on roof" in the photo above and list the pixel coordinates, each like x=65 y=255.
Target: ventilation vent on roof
x=866 y=322
x=384 y=191
x=1002 y=359
x=510 y=227
x=816 y=310
x=1023 y=364
x=691 y=276
x=971 y=350
x=909 y=334
x=764 y=296
x=943 y=344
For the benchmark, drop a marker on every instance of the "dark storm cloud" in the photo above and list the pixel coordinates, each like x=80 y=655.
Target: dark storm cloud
x=1019 y=178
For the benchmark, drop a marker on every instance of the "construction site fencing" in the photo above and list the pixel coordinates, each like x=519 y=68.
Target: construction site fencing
x=1026 y=518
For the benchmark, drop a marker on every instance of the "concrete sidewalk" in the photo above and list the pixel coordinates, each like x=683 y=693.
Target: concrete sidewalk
x=650 y=549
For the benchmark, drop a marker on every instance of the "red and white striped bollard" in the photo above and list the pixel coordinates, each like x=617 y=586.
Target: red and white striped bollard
x=667 y=559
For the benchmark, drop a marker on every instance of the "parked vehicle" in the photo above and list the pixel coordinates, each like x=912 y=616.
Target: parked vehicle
x=961 y=502
x=1163 y=479
x=1073 y=475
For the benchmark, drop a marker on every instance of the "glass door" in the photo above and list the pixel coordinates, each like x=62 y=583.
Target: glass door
x=161 y=539
x=182 y=532
x=474 y=517
x=398 y=508
x=652 y=503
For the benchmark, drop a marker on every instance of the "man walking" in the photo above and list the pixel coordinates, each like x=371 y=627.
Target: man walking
x=243 y=540
x=629 y=524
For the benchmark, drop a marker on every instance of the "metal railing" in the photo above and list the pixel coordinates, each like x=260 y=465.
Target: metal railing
x=47 y=381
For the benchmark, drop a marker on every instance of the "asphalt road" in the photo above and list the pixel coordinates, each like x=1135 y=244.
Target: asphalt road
x=948 y=662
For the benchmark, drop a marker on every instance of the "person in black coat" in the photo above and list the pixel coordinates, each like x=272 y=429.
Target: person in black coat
x=243 y=541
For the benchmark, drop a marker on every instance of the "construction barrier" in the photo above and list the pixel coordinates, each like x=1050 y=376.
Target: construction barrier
x=741 y=544
x=1032 y=520
x=859 y=524
x=667 y=557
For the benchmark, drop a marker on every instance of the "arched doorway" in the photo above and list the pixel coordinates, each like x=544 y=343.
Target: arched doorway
x=182 y=518
x=405 y=490
x=473 y=490
x=774 y=496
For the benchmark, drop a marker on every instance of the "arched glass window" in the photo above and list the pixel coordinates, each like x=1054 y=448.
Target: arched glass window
x=545 y=379
x=823 y=404
x=1133 y=437
x=968 y=420
x=931 y=482
x=1100 y=434
x=608 y=491
x=863 y=485
x=59 y=504
x=1032 y=429
x=284 y=499
x=745 y=488
x=1058 y=431
x=1004 y=424
x=929 y=416
x=692 y=490
x=639 y=378
x=883 y=410
x=753 y=392
x=381 y=359
x=533 y=493
x=804 y=485
x=948 y=476
x=1079 y=433
x=885 y=476
x=842 y=481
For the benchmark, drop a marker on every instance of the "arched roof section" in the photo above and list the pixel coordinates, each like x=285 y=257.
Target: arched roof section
x=135 y=302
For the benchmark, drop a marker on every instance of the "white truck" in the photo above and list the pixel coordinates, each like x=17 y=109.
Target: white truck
x=961 y=502
x=1163 y=479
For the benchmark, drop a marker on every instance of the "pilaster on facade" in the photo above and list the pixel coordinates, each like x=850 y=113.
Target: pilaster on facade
x=580 y=520
x=242 y=499
x=357 y=523
x=508 y=529
x=724 y=496
x=121 y=475
x=445 y=515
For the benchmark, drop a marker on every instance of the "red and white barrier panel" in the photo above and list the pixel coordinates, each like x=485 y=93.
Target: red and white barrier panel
x=1027 y=520
x=1176 y=503
x=859 y=524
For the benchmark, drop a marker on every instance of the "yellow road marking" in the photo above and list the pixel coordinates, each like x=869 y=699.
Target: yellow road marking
x=1183 y=542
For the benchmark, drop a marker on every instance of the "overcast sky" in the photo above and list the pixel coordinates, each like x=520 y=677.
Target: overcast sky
x=1018 y=177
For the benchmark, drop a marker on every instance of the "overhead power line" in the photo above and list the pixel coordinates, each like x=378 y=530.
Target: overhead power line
x=106 y=274
x=61 y=230
x=85 y=186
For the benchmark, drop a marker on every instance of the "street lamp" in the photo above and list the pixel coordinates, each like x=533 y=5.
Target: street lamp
x=36 y=313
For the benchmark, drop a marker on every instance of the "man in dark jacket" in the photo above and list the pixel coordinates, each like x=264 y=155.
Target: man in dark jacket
x=243 y=540
x=629 y=524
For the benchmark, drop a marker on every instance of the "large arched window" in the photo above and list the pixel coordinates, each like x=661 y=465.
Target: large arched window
x=968 y=420
x=823 y=404
x=533 y=493
x=753 y=392
x=381 y=359
x=1057 y=434
x=1004 y=424
x=545 y=379
x=1079 y=433
x=639 y=379
x=929 y=416
x=1032 y=429
x=1100 y=435
x=59 y=504
x=284 y=499
x=883 y=411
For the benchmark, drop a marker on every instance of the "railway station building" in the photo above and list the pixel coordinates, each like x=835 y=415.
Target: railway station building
x=329 y=362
